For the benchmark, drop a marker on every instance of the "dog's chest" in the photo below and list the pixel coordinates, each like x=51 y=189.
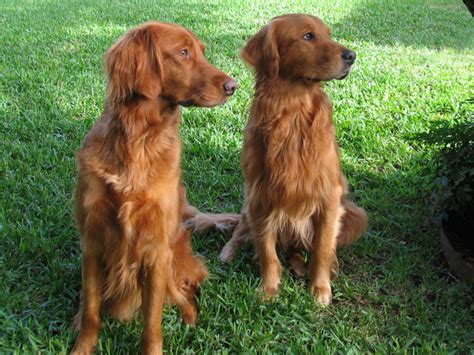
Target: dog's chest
x=300 y=159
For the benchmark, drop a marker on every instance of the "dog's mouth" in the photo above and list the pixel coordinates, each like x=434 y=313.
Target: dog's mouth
x=345 y=73
x=187 y=103
x=204 y=102
x=311 y=80
x=342 y=75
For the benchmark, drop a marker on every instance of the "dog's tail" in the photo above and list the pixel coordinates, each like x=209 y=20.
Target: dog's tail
x=353 y=223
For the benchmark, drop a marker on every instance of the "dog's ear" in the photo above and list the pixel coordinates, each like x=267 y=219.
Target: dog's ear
x=261 y=52
x=134 y=66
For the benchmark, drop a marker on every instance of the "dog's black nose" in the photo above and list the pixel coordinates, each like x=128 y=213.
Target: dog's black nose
x=348 y=56
x=229 y=87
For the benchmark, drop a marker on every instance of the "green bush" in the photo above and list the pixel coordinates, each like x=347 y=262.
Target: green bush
x=454 y=163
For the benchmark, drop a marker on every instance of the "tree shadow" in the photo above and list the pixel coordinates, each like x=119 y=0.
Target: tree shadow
x=53 y=116
x=429 y=25
x=211 y=168
x=395 y=266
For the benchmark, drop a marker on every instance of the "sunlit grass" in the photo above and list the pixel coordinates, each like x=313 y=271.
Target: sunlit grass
x=394 y=293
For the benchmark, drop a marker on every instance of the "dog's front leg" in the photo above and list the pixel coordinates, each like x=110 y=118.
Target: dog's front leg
x=270 y=268
x=154 y=288
x=239 y=237
x=326 y=228
x=90 y=313
x=157 y=258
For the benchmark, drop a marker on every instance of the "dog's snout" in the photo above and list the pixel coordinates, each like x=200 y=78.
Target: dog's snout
x=230 y=87
x=348 y=56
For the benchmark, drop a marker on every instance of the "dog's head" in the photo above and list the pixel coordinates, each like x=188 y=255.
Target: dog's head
x=298 y=47
x=161 y=60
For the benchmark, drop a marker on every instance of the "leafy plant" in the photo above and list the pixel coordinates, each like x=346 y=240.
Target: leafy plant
x=454 y=163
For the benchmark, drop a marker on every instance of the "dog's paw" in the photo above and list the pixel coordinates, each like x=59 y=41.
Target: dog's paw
x=84 y=347
x=322 y=294
x=227 y=253
x=189 y=316
x=268 y=292
x=152 y=346
x=297 y=265
x=189 y=224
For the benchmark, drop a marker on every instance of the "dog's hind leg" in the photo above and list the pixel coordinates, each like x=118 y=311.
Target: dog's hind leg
x=296 y=263
x=201 y=222
x=239 y=237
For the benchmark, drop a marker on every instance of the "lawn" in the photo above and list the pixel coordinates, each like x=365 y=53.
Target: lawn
x=394 y=294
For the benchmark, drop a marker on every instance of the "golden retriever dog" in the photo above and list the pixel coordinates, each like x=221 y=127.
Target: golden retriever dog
x=130 y=201
x=295 y=191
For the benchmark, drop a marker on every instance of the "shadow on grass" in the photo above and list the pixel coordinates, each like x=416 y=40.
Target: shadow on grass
x=418 y=24
x=397 y=265
x=402 y=243
x=396 y=250
x=116 y=18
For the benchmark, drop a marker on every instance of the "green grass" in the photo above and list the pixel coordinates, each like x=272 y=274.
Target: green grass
x=395 y=294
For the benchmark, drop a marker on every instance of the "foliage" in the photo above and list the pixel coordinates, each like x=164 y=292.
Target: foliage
x=454 y=163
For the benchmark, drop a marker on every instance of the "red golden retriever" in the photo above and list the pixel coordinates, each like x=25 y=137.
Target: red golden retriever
x=130 y=201
x=295 y=191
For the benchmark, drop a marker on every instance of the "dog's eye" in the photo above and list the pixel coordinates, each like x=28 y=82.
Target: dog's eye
x=184 y=53
x=308 y=36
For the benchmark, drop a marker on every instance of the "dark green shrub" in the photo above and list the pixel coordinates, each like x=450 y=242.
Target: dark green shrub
x=454 y=163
